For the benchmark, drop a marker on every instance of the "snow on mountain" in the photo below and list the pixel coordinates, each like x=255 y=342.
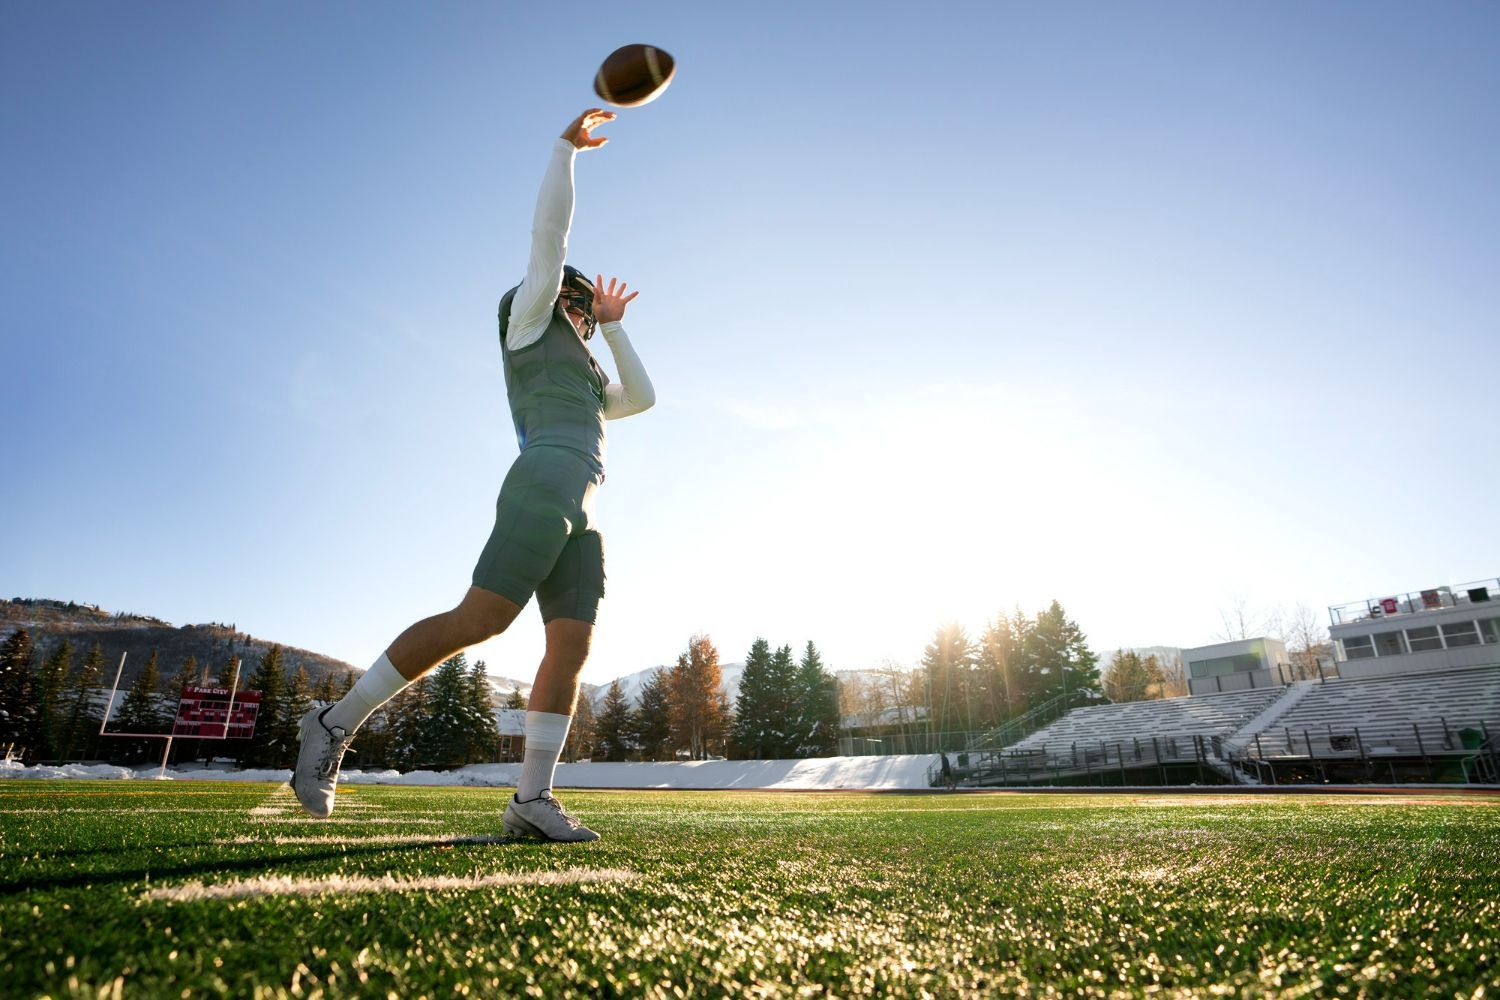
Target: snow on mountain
x=501 y=687
x=631 y=684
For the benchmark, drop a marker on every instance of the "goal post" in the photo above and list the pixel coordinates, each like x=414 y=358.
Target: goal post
x=203 y=713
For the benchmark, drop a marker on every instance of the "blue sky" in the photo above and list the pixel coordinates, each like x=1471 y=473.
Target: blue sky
x=950 y=309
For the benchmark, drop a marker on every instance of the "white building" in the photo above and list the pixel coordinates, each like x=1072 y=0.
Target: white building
x=1444 y=628
x=1237 y=666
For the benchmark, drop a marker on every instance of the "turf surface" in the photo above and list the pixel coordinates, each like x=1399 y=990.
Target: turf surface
x=741 y=893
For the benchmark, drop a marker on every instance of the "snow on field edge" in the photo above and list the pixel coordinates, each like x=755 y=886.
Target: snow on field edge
x=814 y=773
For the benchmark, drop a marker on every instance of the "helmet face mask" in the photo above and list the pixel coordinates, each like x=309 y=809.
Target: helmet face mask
x=577 y=294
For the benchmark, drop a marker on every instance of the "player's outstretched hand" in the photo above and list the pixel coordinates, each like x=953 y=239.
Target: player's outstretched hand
x=578 y=132
x=610 y=303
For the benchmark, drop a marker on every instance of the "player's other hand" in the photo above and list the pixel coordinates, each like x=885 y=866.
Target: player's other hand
x=610 y=302
x=578 y=132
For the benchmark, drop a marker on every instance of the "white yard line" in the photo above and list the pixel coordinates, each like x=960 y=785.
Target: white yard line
x=225 y=811
x=278 y=885
x=334 y=820
x=372 y=838
x=279 y=799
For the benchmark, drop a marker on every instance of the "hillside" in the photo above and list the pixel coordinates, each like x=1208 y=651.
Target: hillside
x=214 y=645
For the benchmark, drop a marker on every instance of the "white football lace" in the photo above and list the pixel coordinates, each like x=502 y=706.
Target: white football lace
x=333 y=754
x=573 y=824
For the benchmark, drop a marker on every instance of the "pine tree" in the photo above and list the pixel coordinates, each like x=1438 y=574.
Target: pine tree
x=753 y=706
x=1133 y=678
x=80 y=733
x=445 y=738
x=653 y=718
x=141 y=711
x=269 y=680
x=19 y=718
x=324 y=691
x=296 y=703
x=51 y=687
x=998 y=668
x=699 y=720
x=948 y=663
x=515 y=699
x=173 y=686
x=781 y=735
x=484 y=732
x=1058 y=657
x=612 y=727
x=580 y=745
x=818 y=706
x=408 y=717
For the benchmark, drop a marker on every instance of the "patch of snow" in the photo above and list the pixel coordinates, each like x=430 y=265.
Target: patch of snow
x=852 y=773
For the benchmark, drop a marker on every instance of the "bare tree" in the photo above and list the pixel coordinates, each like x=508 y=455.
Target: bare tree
x=1306 y=638
x=1239 y=622
x=1174 y=681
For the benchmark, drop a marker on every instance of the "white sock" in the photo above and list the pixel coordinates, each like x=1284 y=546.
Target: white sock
x=546 y=732
x=380 y=684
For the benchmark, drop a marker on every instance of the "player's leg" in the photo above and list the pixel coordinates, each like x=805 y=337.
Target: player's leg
x=569 y=600
x=549 y=713
x=532 y=521
x=326 y=734
x=481 y=615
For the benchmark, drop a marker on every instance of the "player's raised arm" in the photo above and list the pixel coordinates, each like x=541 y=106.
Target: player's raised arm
x=531 y=309
x=634 y=392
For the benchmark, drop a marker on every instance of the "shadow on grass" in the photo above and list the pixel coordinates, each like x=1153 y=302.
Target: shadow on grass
x=236 y=866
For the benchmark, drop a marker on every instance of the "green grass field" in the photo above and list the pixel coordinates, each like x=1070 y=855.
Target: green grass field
x=699 y=893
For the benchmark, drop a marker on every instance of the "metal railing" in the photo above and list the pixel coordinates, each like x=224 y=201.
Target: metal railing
x=1470 y=744
x=1479 y=592
x=1036 y=719
x=1467 y=752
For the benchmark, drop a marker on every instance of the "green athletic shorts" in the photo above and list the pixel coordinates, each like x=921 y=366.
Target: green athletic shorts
x=544 y=541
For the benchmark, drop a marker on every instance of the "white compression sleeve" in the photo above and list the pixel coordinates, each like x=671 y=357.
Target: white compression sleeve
x=634 y=392
x=531 y=309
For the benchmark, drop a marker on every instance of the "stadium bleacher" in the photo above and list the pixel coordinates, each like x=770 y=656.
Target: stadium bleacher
x=1205 y=715
x=1417 y=727
x=1461 y=698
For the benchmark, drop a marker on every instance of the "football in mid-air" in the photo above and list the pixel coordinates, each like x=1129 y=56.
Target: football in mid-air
x=633 y=75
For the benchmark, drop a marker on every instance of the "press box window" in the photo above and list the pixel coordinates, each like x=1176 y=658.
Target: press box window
x=1489 y=628
x=1461 y=634
x=1389 y=644
x=1422 y=639
x=1359 y=647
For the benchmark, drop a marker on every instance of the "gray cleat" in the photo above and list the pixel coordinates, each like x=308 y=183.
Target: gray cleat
x=317 y=772
x=544 y=817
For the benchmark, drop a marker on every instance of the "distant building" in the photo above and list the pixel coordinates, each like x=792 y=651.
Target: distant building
x=1444 y=628
x=511 y=724
x=1237 y=666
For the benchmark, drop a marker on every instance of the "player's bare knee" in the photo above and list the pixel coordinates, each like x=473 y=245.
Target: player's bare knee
x=568 y=643
x=483 y=615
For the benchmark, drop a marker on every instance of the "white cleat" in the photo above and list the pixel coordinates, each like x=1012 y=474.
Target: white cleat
x=317 y=772
x=544 y=817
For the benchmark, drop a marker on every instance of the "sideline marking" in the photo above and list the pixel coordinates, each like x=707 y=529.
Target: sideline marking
x=280 y=885
x=161 y=791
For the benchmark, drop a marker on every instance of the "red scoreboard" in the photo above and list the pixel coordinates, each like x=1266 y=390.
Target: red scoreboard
x=205 y=713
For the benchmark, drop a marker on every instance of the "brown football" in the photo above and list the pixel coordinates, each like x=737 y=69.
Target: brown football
x=634 y=75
